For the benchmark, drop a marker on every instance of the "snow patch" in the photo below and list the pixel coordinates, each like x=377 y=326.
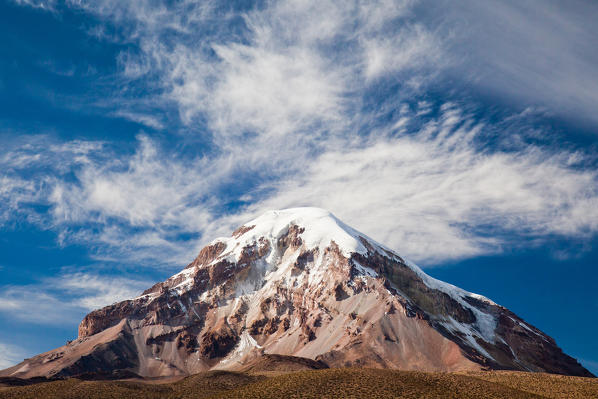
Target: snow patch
x=245 y=345
x=454 y=326
x=364 y=270
x=485 y=323
x=22 y=369
x=528 y=328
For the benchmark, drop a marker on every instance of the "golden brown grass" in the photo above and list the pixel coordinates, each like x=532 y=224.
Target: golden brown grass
x=328 y=383
x=548 y=385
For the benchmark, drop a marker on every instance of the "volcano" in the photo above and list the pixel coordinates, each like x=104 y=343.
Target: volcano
x=300 y=283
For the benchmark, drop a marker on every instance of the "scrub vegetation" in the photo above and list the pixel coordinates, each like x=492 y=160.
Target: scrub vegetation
x=326 y=383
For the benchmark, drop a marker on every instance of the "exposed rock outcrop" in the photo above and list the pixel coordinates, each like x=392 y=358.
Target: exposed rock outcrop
x=300 y=283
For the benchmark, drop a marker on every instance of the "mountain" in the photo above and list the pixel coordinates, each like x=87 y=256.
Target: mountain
x=299 y=282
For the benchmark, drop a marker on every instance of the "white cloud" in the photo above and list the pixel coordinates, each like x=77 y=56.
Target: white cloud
x=529 y=53
x=413 y=48
x=132 y=204
x=66 y=297
x=537 y=53
x=93 y=291
x=145 y=189
x=147 y=120
x=14 y=191
x=30 y=166
x=434 y=196
x=10 y=355
x=48 y=5
x=281 y=73
x=272 y=92
x=33 y=304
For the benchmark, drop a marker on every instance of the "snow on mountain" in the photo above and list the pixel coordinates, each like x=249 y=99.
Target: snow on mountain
x=300 y=282
x=321 y=229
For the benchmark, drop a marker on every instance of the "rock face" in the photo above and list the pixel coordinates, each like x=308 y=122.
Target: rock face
x=299 y=282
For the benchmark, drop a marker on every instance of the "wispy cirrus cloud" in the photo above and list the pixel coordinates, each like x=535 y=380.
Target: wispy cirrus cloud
x=144 y=119
x=426 y=187
x=435 y=195
x=15 y=191
x=537 y=53
x=30 y=167
x=65 y=298
x=48 y=5
x=272 y=70
x=308 y=103
x=495 y=50
x=10 y=355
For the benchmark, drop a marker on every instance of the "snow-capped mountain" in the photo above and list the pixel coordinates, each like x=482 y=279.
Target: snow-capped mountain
x=300 y=282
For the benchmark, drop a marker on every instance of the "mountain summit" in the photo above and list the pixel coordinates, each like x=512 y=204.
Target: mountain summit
x=300 y=282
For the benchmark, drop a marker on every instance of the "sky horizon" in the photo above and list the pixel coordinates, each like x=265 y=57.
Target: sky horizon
x=462 y=135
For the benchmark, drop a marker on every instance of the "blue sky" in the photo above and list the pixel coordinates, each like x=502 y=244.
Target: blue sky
x=461 y=134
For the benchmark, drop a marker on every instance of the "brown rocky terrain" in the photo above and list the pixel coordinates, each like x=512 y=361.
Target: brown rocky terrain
x=321 y=383
x=299 y=283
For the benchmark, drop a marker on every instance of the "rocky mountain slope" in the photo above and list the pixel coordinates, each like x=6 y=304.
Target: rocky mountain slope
x=300 y=282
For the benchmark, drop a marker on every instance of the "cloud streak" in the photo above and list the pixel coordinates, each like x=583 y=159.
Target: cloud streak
x=436 y=196
x=10 y=355
x=537 y=53
x=65 y=298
